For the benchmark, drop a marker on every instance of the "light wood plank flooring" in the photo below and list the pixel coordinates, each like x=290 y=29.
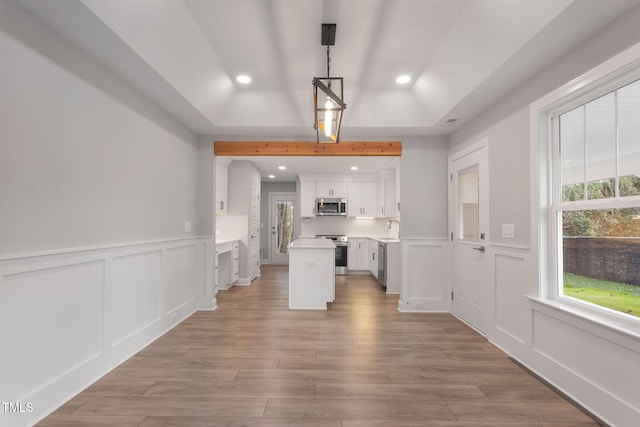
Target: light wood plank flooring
x=255 y=363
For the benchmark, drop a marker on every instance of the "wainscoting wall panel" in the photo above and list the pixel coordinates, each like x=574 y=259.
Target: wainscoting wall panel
x=593 y=364
x=51 y=321
x=132 y=296
x=509 y=291
x=426 y=273
x=68 y=317
x=608 y=374
x=179 y=288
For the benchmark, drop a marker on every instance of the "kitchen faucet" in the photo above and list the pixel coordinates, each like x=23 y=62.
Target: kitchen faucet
x=390 y=222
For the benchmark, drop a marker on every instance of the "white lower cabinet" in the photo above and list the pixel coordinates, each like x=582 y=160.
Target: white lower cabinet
x=363 y=257
x=373 y=258
x=358 y=255
x=227 y=264
x=235 y=254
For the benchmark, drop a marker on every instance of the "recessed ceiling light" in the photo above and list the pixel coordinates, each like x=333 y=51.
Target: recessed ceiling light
x=244 y=79
x=403 y=79
x=354 y=168
x=272 y=176
x=282 y=167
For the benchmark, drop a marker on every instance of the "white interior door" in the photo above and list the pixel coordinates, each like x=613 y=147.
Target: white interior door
x=469 y=219
x=282 y=220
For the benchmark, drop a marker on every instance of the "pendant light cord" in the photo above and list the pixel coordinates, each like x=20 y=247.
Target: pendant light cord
x=328 y=66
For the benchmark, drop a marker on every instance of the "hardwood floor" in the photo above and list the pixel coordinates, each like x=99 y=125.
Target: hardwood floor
x=255 y=363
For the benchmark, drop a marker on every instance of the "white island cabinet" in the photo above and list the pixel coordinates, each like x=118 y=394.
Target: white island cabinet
x=311 y=274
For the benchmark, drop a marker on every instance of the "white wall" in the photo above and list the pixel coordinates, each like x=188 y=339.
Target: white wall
x=87 y=163
x=206 y=189
x=423 y=191
x=595 y=366
x=84 y=159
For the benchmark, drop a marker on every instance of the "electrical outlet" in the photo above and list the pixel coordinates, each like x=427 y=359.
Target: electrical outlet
x=508 y=231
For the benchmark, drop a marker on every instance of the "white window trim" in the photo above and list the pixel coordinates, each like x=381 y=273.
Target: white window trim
x=600 y=79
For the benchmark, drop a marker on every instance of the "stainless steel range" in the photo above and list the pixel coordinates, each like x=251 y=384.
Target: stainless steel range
x=341 y=243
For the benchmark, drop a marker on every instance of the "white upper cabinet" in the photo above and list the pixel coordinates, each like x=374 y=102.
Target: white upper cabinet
x=222 y=186
x=361 y=198
x=367 y=194
x=307 y=191
x=331 y=189
x=387 y=200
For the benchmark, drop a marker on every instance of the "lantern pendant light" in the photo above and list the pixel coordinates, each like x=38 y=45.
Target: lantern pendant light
x=328 y=96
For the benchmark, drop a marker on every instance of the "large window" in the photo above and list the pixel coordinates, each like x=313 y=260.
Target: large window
x=595 y=205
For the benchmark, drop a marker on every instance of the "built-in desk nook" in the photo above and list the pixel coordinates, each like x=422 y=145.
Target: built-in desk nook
x=227 y=263
x=311 y=274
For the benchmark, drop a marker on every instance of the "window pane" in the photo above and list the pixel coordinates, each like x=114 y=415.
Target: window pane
x=572 y=154
x=630 y=185
x=468 y=206
x=629 y=139
x=600 y=251
x=602 y=223
x=284 y=226
x=602 y=189
x=600 y=116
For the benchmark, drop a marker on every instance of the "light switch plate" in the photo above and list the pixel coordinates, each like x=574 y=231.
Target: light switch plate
x=187 y=226
x=508 y=231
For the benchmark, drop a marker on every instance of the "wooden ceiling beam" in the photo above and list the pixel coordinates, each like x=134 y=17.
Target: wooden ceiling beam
x=306 y=148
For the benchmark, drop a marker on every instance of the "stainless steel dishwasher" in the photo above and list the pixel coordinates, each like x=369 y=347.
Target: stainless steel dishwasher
x=382 y=264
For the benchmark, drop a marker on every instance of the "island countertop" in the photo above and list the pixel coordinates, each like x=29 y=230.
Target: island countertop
x=305 y=243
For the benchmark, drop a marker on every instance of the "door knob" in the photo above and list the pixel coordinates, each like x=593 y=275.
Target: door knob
x=479 y=249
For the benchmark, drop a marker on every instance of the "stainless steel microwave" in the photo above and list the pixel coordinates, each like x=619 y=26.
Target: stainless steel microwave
x=331 y=207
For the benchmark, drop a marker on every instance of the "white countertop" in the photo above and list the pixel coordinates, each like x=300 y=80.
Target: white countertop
x=223 y=241
x=312 y=244
x=377 y=239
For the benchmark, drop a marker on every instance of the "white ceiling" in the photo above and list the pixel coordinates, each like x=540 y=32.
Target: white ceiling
x=462 y=55
x=268 y=165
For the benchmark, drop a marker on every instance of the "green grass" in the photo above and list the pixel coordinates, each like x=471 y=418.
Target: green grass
x=613 y=295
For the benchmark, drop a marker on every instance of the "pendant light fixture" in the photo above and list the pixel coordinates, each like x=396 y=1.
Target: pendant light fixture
x=327 y=96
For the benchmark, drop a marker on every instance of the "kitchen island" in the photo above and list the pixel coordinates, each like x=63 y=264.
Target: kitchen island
x=311 y=274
